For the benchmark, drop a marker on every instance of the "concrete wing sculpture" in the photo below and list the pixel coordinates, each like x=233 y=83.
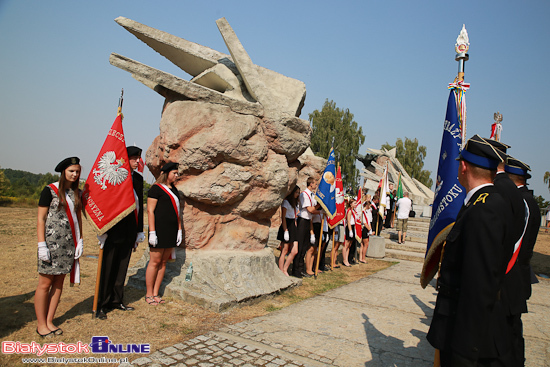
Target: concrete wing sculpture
x=235 y=132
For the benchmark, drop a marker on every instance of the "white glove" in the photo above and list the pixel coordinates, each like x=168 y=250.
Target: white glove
x=351 y=234
x=153 y=240
x=179 y=238
x=79 y=249
x=140 y=237
x=43 y=252
x=312 y=239
x=286 y=236
x=102 y=240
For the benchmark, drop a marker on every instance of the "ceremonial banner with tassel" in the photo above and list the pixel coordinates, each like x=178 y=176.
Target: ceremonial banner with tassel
x=108 y=194
x=326 y=191
x=449 y=194
x=339 y=199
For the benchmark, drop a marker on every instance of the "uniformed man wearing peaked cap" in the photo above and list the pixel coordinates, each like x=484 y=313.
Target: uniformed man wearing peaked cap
x=470 y=326
x=118 y=243
x=518 y=280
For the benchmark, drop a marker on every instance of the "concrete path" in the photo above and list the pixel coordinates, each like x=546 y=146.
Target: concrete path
x=381 y=320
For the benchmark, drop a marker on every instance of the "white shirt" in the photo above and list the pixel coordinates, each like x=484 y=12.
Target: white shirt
x=290 y=211
x=404 y=206
x=306 y=200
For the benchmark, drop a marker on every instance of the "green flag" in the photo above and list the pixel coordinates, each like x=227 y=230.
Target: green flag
x=399 y=188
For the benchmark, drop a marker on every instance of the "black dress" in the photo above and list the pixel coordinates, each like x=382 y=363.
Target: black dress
x=166 y=218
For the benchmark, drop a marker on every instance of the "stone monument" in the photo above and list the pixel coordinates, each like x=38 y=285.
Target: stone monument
x=235 y=132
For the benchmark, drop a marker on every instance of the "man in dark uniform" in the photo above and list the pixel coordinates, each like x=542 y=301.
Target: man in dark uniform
x=470 y=326
x=118 y=243
x=519 y=173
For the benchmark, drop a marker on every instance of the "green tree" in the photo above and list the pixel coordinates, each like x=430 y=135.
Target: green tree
x=543 y=204
x=411 y=156
x=338 y=124
x=4 y=183
x=547 y=179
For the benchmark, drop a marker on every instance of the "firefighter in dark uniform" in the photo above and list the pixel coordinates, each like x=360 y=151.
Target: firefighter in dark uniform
x=118 y=243
x=523 y=275
x=470 y=325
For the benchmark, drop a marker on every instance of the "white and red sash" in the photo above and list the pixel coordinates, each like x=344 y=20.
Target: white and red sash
x=176 y=205
x=75 y=230
x=357 y=226
x=517 y=246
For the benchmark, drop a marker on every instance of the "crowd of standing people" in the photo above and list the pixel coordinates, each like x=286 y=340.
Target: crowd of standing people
x=304 y=227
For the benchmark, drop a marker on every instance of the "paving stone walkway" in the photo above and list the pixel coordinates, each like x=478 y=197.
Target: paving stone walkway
x=381 y=320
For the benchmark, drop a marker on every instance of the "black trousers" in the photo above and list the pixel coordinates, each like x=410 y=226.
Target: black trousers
x=116 y=258
x=298 y=265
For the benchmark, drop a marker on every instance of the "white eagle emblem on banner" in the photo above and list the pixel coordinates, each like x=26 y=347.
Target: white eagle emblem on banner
x=110 y=170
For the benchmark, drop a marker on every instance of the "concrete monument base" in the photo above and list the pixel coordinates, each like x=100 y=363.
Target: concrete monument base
x=377 y=247
x=221 y=279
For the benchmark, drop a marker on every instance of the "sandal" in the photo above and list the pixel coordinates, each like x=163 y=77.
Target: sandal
x=161 y=300
x=58 y=332
x=151 y=301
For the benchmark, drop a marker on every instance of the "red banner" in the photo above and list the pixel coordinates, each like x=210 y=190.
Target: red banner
x=359 y=211
x=108 y=194
x=340 y=207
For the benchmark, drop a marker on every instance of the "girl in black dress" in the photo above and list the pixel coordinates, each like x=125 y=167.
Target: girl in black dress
x=288 y=234
x=59 y=231
x=163 y=210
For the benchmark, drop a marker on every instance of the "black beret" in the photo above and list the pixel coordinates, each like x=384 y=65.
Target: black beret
x=479 y=152
x=66 y=163
x=133 y=151
x=517 y=167
x=170 y=166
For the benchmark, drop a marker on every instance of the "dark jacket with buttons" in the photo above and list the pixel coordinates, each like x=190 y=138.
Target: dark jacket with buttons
x=470 y=317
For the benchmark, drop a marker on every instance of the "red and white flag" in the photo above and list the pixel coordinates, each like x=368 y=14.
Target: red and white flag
x=109 y=193
x=357 y=216
x=340 y=206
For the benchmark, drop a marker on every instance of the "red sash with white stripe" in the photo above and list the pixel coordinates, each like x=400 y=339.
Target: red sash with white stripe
x=517 y=246
x=71 y=215
x=357 y=226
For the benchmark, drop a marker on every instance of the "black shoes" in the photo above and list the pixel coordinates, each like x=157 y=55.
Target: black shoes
x=123 y=307
x=101 y=314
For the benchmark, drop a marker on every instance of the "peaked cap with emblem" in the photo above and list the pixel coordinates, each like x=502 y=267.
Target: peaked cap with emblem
x=133 y=151
x=479 y=152
x=61 y=166
x=517 y=167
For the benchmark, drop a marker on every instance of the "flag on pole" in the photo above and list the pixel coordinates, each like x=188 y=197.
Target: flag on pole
x=339 y=198
x=384 y=188
x=326 y=192
x=399 y=193
x=449 y=194
x=358 y=214
x=141 y=166
x=108 y=194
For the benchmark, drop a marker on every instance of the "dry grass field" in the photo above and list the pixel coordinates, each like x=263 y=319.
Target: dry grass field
x=160 y=326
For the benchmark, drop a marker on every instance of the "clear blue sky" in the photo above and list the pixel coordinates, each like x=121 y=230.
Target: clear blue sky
x=389 y=62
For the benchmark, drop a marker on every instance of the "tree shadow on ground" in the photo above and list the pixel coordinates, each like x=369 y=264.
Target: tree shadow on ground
x=387 y=350
x=15 y=311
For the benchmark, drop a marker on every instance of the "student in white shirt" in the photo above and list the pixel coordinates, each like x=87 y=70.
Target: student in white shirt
x=288 y=232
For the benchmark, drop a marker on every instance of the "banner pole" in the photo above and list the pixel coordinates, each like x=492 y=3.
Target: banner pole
x=319 y=248
x=97 y=280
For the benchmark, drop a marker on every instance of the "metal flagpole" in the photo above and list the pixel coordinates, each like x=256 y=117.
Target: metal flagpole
x=100 y=257
x=461 y=47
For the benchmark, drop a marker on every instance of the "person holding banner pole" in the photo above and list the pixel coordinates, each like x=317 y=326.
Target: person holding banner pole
x=117 y=244
x=365 y=232
x=165 y=230
x=350 y=234
x=59 y=230
x=306 y=237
